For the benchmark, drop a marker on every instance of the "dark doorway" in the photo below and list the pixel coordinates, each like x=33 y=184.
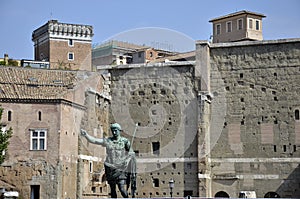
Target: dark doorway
x=271 y=195
x=35 y=192
x=188 y=193
x=222 y=194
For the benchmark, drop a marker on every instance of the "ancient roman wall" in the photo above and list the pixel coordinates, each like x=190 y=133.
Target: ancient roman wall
x=255 y=143
x=161 y=100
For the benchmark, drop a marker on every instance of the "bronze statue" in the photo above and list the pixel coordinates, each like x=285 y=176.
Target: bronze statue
x=120 y=163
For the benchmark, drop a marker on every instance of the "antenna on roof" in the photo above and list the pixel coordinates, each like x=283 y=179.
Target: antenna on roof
x=51 y=17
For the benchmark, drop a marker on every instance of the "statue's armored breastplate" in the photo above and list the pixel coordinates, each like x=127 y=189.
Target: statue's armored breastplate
x=116 y=150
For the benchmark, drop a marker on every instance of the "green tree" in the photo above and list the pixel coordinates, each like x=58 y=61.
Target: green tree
x=4 y=139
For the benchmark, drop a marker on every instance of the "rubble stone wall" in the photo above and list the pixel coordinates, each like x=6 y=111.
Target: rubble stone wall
x=257 y=84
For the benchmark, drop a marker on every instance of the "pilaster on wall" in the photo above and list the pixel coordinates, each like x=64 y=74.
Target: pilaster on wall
x=202 y=69
x=202 y=85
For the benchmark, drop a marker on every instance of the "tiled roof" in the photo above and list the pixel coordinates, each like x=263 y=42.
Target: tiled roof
x=23 y=83
x=237 y=13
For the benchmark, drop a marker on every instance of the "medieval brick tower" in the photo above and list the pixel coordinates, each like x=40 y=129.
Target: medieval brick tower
x=65 y=46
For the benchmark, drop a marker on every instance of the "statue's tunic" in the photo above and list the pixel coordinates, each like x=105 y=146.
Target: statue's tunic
x=117 y=158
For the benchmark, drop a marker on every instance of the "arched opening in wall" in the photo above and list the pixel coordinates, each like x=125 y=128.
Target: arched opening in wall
x=297 y=116
x=272 y=195
x=221 y=194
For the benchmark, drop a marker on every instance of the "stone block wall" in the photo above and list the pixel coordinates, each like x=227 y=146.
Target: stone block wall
x=258 y=147
x=161 y=100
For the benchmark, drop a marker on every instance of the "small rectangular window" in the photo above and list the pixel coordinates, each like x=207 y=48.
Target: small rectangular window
x=155 y=148
x=155 y=182
x=284 y=148
x=189 y=165
x=71 y=56
x=257 y=25
x=250 y=24
x=40 y=116
x=9 y=116
x=240 y=24
x=297 y=114
x=38 y=139
x=71 y=42
x=218 y=29
x=228 y=26
x=139 y=54
x=91 y=167
x=137 y=153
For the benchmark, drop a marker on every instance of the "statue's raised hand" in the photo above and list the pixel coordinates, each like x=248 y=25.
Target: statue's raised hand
x=83 y=132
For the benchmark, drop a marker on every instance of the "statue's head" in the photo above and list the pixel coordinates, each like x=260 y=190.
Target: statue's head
x=115 y=129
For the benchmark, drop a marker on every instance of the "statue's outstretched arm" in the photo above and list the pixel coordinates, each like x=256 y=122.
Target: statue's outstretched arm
x=92 y=139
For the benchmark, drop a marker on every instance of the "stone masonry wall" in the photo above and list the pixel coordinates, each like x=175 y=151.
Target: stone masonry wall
x=161 y=100
x=256 y=84
x=25 y=167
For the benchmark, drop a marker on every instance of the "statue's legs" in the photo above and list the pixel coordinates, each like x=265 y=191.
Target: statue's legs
x=113 y=191
x=121 y=185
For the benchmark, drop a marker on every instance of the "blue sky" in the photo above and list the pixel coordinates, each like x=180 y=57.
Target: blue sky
x=112 y=18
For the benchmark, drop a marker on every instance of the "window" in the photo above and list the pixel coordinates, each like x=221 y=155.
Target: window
x=40 y=116
x=71 y=56
x=218 y=29
x=257 y=25
x=91 y=167
x=9 y=115
x=297 y=115
x=189 y=165
x=139 y=54
x=38 y=139
x=240 y=24
x=137 y=153
x=284 y=148
x=250 y=24
x=155 y=182
x=174 y=165
x=71 y=42
x=155 y=148
x=228 y=26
